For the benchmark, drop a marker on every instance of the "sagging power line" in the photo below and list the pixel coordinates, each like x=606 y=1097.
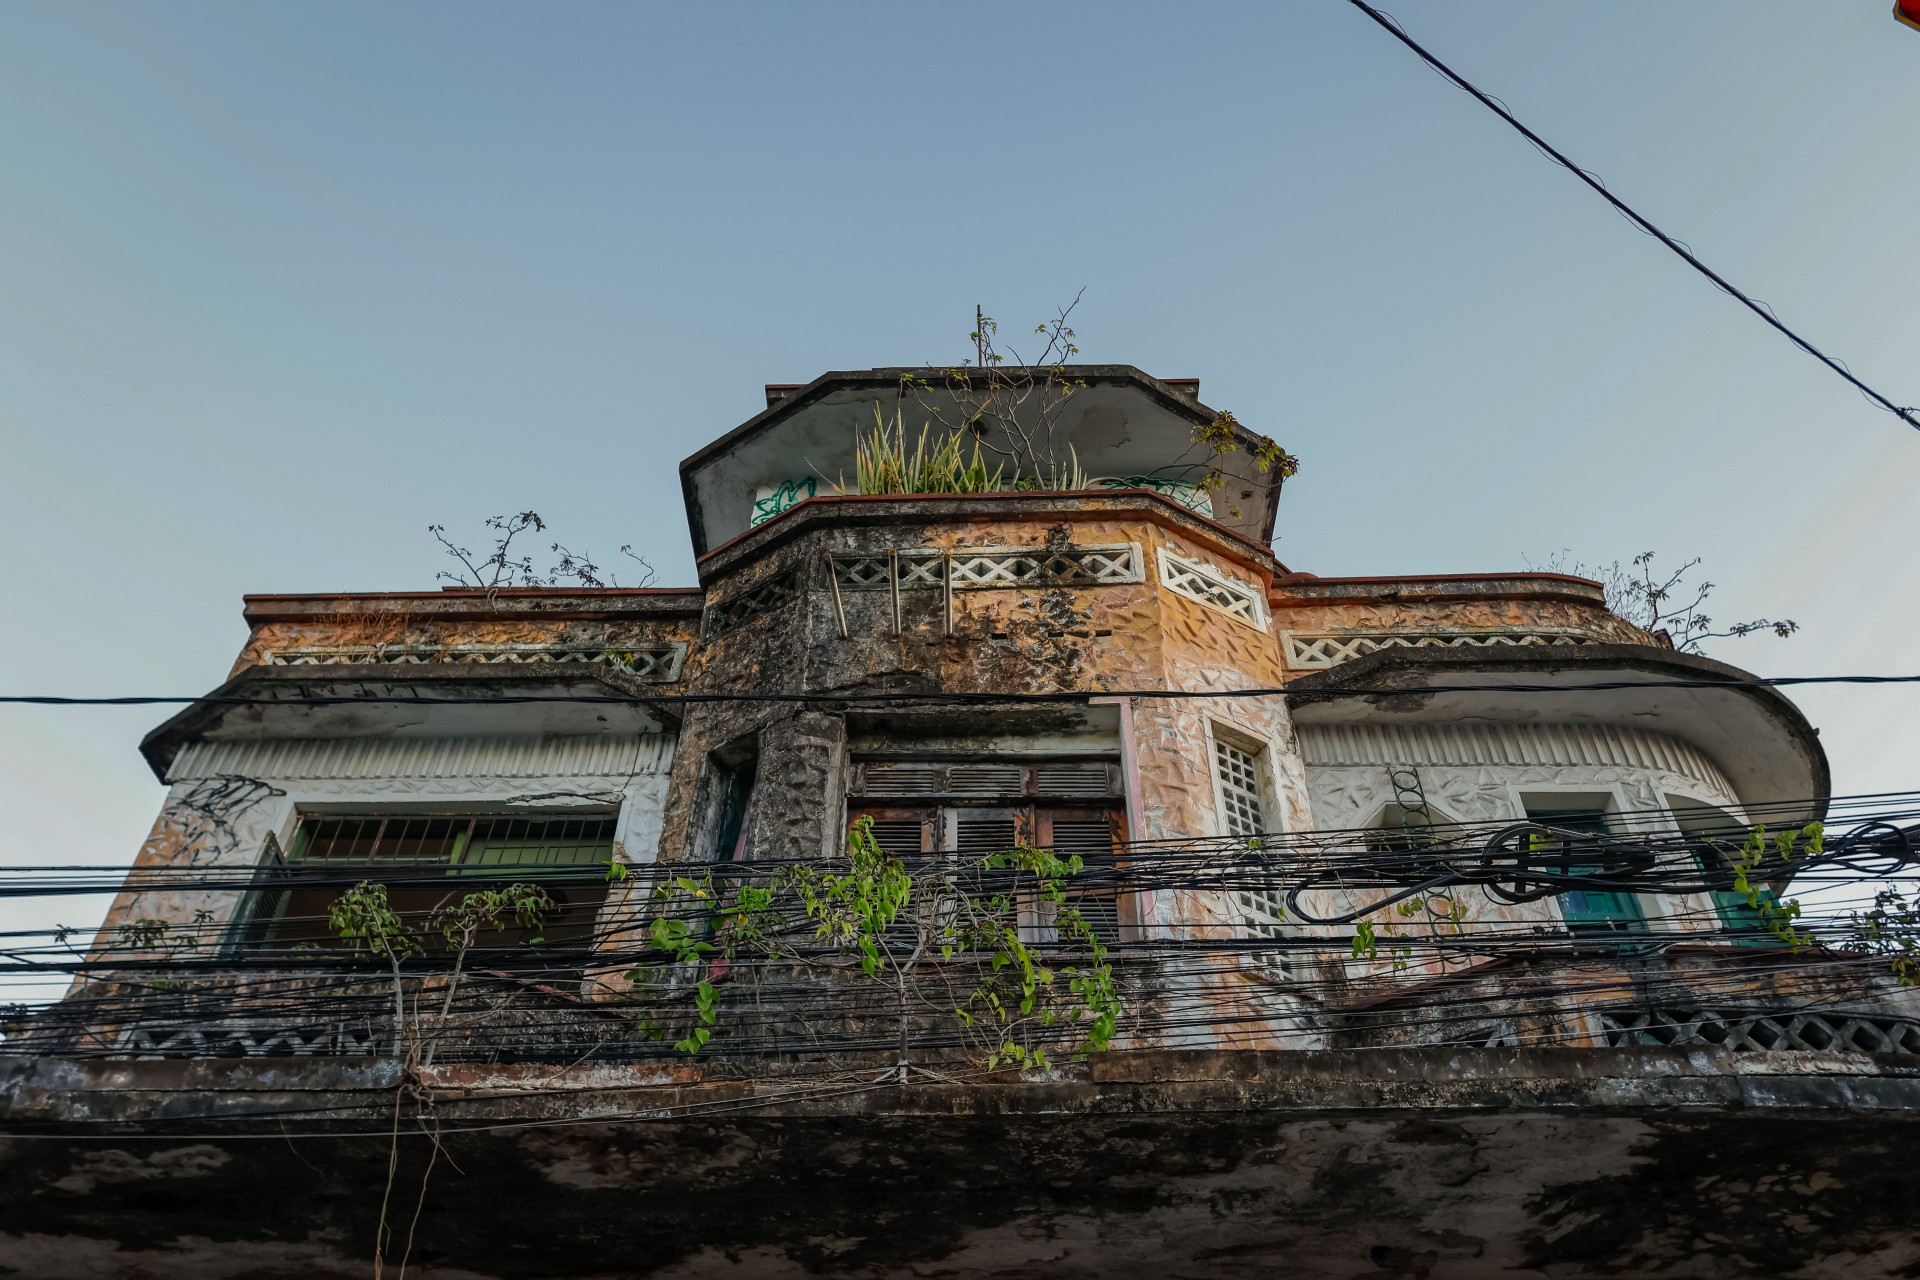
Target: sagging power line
x=1906 y=414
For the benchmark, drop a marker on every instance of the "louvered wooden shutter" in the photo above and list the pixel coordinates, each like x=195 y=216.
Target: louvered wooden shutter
x=1095 y=892
x=904 y=835
x=976 y=836
x=967 y=810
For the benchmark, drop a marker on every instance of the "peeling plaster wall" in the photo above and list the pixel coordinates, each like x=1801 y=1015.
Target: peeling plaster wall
x=1032 y=638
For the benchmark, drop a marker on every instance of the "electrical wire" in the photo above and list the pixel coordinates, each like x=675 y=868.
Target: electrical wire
x=939 y=696
x=1906 y=414
x=1437 y=979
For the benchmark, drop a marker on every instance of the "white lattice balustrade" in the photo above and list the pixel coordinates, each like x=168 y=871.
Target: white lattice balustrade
x=650 y=662
x=1214 y=587
x=1310 y=651
x=252 y=1040
x=977 y=568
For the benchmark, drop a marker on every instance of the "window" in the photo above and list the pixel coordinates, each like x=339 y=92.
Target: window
x=1714 y=836
x=1398 y=829
x=1241 y=807
x=1407 y=843
x=961 y=811
x=426 y=861
x=732 y=831
x=1588 y=912
x=1243 y=813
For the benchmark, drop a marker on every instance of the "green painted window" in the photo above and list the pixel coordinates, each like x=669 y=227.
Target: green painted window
x=1715 y=835
x=1590 y=912
x=426 y=861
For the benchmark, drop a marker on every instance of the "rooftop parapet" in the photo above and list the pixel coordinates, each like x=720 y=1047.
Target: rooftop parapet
x=1123 y=428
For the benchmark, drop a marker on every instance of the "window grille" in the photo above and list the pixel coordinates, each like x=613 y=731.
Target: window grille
x=1261 y=903
x=889 y=779
x=426 y=861
x=1201 y=582
x=1240 y=800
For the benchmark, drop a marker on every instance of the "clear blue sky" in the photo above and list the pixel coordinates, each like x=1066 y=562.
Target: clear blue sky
x=281 y=284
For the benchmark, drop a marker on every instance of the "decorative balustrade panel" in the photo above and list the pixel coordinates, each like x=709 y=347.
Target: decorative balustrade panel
x=646 y=662
x=1774 y=1032
x=976 y=568
x=770 y=596
x=254 y=1040
x=1315 y=652
x=1204 y=583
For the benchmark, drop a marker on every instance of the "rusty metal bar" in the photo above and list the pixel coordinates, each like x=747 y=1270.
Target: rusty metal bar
x=946 y=585
x=839 y=606
x=893 y=584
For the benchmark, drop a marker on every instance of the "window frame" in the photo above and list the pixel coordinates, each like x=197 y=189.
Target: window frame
x=1737 y=917
x=1534 y=800
x=285 y=870
x=1253 y=917
x=1032 y=813
x=1261 y=757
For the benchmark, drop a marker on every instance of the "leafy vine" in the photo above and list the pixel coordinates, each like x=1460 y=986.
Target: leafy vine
x=973 y=944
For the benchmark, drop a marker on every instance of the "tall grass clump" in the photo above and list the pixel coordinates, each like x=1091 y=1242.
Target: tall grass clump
x=936 y=464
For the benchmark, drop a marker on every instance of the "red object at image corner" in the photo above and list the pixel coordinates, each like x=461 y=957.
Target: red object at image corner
x=1908 y=11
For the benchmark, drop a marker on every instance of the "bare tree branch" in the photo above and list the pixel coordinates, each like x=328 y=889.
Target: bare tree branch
x=504 y=569
x=1668 y=606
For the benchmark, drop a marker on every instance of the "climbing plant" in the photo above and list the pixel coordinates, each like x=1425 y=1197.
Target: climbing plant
x=1890 y=928
x=1748 y=864
x=961 y=945
x=365 y=919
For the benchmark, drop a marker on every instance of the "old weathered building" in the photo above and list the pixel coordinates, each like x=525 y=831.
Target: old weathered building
x=1416 y=894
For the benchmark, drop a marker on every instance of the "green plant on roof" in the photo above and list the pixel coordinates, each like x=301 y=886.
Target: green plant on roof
x=884 y=462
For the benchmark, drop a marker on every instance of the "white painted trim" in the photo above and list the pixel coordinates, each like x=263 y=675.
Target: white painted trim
x=611 y=756
x=1552 y=745
x=1261 y=749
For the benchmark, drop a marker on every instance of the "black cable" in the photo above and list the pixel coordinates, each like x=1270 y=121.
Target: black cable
x=1906 y=415
x=937 y=696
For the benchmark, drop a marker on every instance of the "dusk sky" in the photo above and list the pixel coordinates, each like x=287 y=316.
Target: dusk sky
x=281 y=285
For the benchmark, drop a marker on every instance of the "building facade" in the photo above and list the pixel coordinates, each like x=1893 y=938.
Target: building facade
x=1396 y=998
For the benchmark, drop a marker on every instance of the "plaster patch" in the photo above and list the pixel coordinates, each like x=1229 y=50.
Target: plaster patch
x=116 y=1166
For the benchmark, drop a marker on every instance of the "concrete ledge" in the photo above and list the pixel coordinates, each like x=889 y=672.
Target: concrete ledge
x=42 y=1094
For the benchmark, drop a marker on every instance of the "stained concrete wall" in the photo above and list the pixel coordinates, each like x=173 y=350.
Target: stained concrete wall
x=1435 y=1164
